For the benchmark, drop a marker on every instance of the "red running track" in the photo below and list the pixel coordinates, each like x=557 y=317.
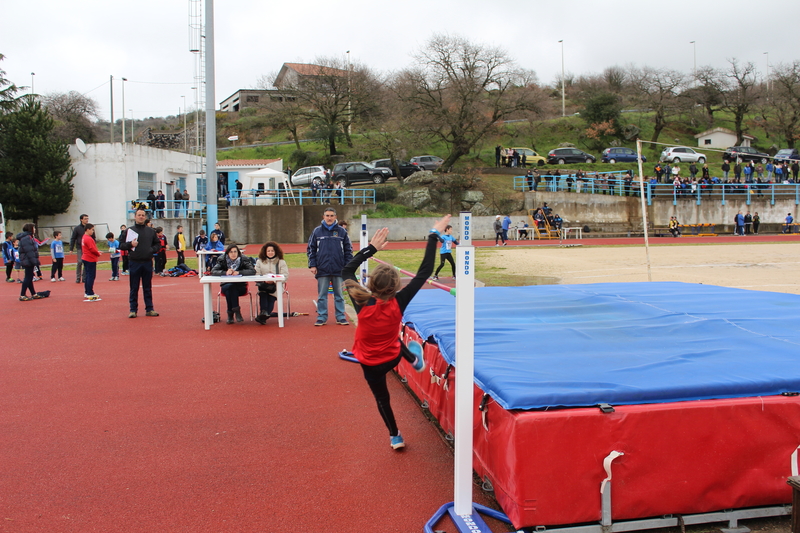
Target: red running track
x=112 y=424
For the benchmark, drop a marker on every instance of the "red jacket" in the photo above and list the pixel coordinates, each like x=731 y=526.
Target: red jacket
x=89 y=248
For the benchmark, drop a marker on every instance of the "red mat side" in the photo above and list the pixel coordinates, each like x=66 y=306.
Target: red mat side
x=680 y=458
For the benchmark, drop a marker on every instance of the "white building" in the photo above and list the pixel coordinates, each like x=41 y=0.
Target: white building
x=720 y=138
x=109 y=176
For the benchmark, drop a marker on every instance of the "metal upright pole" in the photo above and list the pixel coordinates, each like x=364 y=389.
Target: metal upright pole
x=644 y=208
x=211 y=120
x=111 y=85
x=123 y=109
x=563 y=89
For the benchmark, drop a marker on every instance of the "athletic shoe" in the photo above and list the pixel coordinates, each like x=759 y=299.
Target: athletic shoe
x=319 y=323
x=86 y=295
x=36 y=278
x=132 y=314
x=151 y=313
x=505 y=244
x=416 y=348
x=25 y=298
x=111 y=278
x=343 y=322
x=93 y=298
x=61 y=279
x=496 y=244
x=397 y=442
x=37 y=296
x=52 y=280
x=9 y=280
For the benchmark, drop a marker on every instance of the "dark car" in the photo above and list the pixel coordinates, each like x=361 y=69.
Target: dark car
x=560 y=156
x=359 y=171
x=745 y=153
x=620 y=155
x=406 y=168
x=787 y=155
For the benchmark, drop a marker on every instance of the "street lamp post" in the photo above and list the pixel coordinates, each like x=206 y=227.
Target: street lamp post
x=111 y=86
x=563 y=90
x=694 y=44
x=185 y=140
x=32 y=91
x=131 y=112
x=123 y=109
x=768 y=72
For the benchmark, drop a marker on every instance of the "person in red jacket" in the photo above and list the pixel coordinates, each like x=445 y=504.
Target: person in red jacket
x=90 y=256
x=380 y=307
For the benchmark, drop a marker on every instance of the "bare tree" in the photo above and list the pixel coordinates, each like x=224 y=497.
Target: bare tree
x=740 y=93
x=282 y=110
x=784 y=101
x=332 y=96
x=708 y=93
x=460 y=91
x=74 y=114
x=658 y=90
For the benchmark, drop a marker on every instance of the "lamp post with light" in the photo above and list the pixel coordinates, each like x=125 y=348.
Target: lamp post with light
x=694 y=44
x=32 y=91
x=123 y=109
x=563 y=90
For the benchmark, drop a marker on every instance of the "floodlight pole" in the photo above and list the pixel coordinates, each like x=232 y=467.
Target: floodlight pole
x=211 y=119
x=563 y=90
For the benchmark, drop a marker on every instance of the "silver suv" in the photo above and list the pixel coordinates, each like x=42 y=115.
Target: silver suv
x=682 y=154
x=305 y=175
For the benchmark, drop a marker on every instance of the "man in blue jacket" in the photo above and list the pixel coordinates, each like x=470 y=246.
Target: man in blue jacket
x=329 y=250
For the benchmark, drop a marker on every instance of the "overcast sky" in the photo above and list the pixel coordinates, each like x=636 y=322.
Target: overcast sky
x=78 y=44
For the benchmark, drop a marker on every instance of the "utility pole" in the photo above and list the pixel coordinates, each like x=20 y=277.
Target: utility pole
x=563 y=90
x=111 y=85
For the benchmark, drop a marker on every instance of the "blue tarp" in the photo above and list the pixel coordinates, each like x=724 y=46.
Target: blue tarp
x=622 y=343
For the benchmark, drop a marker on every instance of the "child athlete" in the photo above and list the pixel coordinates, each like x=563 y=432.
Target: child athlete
x=380 y=311
x=445 y=252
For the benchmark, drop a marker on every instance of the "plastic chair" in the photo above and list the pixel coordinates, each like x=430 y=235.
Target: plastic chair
x=247 y=294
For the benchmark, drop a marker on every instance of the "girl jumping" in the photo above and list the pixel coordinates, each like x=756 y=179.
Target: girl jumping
x=380 y=307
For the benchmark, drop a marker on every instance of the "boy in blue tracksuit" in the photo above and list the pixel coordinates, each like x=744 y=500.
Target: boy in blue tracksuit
x=57 y=254
x=445 y=252
x=8 y=255
x=113 y=249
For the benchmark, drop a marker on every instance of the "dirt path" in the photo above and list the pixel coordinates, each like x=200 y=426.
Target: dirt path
x=765 y=267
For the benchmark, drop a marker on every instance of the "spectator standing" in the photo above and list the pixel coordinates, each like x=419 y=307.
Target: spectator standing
x=238 y=192
x=185 y=199
x=161 y=256
x=506 y=226
x=739 y=219
x=692 y=170
x=726 y=169
x=737 y=171
x=760 y=171
x=8 y=255
x=795 y=170
x=756 y=222
x=748 y=223
x=498 y=231
x=90 y=256
x=28 y=254
x=75 y=243
x=497 y=150
x=142 y=243
x=329 y=250
x=113 y=250
x=222 y=186
x=151 y=201
x=770 y=169
x=123 y=230
x=161 y=203
x=218 y=232
x=177 y=201
x=179 y=243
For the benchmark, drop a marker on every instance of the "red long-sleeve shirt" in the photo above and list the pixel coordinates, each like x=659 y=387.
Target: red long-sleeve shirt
x=89 y=249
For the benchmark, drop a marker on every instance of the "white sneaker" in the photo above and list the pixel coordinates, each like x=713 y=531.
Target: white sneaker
x=52 y=280
x=61 y=279
x=112 y=278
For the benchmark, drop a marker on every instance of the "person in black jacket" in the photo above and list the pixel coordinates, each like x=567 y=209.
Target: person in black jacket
x=142 y=244
x=233 y=263
x=29 y=259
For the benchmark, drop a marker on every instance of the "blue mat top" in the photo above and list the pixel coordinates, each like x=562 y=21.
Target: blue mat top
x=622 y=343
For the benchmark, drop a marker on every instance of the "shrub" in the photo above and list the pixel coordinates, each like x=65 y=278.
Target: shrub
x=387 y=193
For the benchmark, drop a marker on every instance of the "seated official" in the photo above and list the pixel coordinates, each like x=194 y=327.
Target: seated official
x=270 y=261
x=233 y=263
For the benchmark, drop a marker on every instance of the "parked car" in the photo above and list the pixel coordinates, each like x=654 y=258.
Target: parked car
x=305 y=175
x=745 y=153
x=359 y=171
x=682 y=154
x=531 y=157
x=787 y=155
x=621 y=155
x=428 y=162
x=561 y=156
x=406 y=168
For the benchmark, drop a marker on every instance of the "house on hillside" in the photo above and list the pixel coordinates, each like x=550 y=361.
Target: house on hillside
x=244 y=98
x=292 y=73
x=720 y=138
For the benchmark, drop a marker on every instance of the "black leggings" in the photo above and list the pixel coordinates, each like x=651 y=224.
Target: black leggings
x=376 y=379
x=446 y=257
x=56 y=270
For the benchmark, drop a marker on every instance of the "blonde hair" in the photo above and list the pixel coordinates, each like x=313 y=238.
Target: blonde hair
x=383 y=284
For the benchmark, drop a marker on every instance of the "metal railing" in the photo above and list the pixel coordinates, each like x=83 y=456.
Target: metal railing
x=303 y=197
x=604 y=183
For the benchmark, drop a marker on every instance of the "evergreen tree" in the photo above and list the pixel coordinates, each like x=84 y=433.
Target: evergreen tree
x=35 y=171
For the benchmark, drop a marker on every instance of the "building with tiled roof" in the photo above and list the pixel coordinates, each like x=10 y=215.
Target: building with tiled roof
x=291 y=73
